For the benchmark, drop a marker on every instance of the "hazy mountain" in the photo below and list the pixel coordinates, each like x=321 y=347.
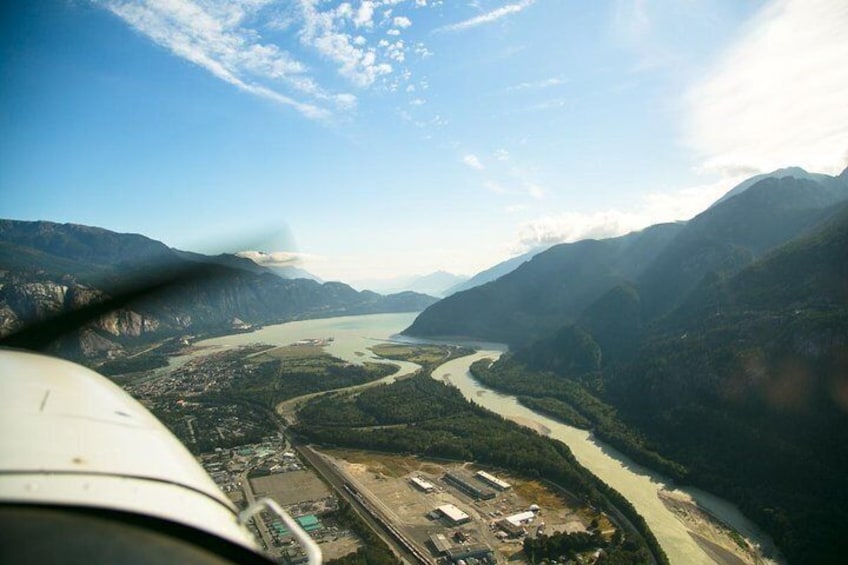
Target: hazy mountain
x=434 y=284
x=494 y=272
x=663 y=264
x=544 y=293
x=794 y=172
x=48 y=268
x=733 y=233
x=295 y=273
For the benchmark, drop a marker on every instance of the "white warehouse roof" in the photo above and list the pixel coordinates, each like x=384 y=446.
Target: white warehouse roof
x=491 y=479
x=516 y=519
x=453 y=513
x=422 y=484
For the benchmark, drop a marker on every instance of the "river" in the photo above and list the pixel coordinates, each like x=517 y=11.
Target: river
x=354 y=334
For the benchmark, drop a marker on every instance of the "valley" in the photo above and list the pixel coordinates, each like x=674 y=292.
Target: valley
x=359 y=339
x=709 y=353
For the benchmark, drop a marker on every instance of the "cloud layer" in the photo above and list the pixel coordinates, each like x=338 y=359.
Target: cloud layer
x=229 y=38
x=489 y=17
x=656 y=207
x=778 y=95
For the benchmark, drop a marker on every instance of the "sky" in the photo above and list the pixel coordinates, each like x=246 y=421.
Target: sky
x=372 y=139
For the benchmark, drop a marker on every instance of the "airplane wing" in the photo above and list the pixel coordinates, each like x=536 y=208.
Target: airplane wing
x=88 y=475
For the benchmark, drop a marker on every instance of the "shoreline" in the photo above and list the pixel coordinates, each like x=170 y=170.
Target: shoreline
x=715 y=536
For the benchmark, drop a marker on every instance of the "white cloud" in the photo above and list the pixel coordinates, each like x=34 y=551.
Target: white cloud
x=422 y=51
x=229 y=39
x=539 y=84
x=778 y=96
x=277 y=258
x=402 y=22
x=489 y=17
x=364 y=14
x=656 y=207
x=324 y=31
x=572 y=226
x=472 y=161
x=550 y=104
x=211 y=36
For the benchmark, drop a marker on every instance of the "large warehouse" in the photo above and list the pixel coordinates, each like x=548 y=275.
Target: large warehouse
x=492 y=480
x=454 y=514
x=466 y=485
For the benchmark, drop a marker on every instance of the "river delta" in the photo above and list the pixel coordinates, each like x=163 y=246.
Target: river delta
x=692 y=526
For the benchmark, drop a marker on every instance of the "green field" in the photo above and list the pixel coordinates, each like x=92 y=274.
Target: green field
x=420 y=354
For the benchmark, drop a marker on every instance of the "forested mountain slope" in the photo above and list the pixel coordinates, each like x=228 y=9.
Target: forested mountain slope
x=545 y=292
x=663 y=264
x=745 y=385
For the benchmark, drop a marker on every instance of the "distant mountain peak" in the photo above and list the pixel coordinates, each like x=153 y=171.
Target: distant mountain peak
x=794 y=172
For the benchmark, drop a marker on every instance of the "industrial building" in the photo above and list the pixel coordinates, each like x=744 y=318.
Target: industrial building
x=466 y=485
x=493 y=481
x=422 y=485
x=521 y=518
x=454 y=514
x=445 y=548
x=441 y=544
x=510 y=529
x=514 y=525
x=476 y=551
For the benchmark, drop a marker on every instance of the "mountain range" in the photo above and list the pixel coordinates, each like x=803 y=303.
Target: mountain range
x=438 y=283
x=494 y=272
x=715 y=348
x=50 y=268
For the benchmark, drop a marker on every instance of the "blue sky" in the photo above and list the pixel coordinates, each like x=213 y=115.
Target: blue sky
x=370 y=139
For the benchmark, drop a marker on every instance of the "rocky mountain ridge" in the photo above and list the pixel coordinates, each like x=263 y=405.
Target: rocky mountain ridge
x=49 y=268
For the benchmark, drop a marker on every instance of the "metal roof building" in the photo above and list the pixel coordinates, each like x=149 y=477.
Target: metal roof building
x=465 y=484
x=517 y=519
x=441 y=544
x=493 y=480
x=454 y=514
x=422 y=485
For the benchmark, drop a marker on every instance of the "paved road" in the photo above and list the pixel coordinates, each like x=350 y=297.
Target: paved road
x=337 y=481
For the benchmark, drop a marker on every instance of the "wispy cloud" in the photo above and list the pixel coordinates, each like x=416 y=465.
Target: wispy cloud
x=473 y=161
x=211 y=37
x=778 y=96
x=489 y=17
x=325 y=32
x=539 y=84
x=656 y=207
x=229 y=39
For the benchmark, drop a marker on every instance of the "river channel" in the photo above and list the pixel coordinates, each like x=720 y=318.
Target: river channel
x=351 y=338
